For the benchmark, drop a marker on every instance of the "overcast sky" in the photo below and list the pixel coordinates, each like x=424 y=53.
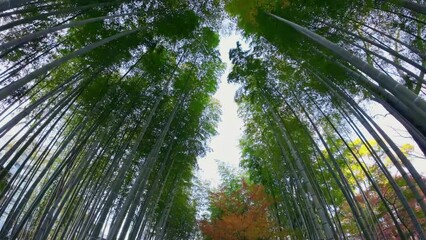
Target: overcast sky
x=224 y=145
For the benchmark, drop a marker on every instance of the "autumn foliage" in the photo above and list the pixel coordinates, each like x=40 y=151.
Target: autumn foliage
x=385 y=227
x=388 y=227
x=240 y=214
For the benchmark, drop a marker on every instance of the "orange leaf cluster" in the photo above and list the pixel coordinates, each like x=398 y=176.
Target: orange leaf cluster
x=244 y=215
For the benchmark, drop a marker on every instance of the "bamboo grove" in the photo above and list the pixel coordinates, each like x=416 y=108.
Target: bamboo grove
x=309 y=65
x=106 y=106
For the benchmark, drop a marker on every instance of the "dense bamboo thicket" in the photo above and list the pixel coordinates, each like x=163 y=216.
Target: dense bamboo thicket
x=333 y=171
x=107 y=104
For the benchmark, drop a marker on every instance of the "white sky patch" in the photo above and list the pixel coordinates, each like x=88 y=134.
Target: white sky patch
x=397 y=133
x=225 y=145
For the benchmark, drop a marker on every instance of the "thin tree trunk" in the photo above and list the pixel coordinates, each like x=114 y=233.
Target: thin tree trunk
x=413 y=6
x=35 y=35
x=49 y=14
x=10 y=4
